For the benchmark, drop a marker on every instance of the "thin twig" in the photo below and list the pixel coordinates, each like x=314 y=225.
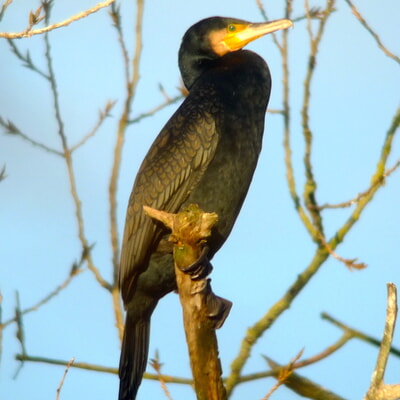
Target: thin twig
x=103 y=114
x=98 y=368
x=1 y=325
x=312 y=13
x=150 y=113
x=287 y=132
x=116 y=165
x=348 y=262
x=372 y=32
x=310 y=185
x=156 y=365
x=12 y=129
x=358 y=334
x=68 y=160
x=264 y=15
x=28 y=32
x=376 y=180
x=326 y=353
x=4 y=7
x=301 y=385
x=3 y=174
x=356 y=199
x=26 y=59
x=47 y=298
x=20 y=334
x=283 y=375
x=115 y=15
x=63 y=378
x=79 y=365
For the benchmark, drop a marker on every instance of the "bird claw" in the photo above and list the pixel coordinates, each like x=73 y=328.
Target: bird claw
x=218 y=307
x=201 y=268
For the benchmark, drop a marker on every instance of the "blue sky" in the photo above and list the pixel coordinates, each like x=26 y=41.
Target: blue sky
x=355 y=94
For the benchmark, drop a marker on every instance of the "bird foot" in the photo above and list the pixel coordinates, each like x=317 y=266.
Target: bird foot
x=218 y=308
x=201 y=268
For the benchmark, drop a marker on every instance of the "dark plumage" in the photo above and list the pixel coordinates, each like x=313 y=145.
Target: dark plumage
x=206 y=154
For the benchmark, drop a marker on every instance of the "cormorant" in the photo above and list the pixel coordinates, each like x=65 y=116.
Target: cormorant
x=206 y=154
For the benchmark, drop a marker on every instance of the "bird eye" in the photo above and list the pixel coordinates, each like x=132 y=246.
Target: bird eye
x=231 y=28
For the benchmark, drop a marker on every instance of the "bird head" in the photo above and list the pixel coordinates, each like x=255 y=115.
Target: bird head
x=215 y=37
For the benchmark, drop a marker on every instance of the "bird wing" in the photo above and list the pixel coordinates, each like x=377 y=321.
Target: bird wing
x=173 y=166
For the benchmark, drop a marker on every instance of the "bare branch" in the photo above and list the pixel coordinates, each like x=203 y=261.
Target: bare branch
x=74 y=272
x=303 y=386
x=156 y=365
x=99 y=368
x=120 y=137
x=68 y=160
x=286 y=112
x=358 y=334
x=376 y=180
x=372 y=32
x=356 y=199
x=3 y=173
x=310 y=185
x=265 y=322
x=79 y=365
x=261 y=7
x=203 y=312
x=63 y=378
x=349 y=263
x=326 y=353
x=282 y=376
x=4 y=8
x=116 y=19
x=378 y=389
x=20 y=334
x=150 y=113
x=12 y=129
x=34 y=19
x=26 y=59
x=1 y=325
x=103 y=114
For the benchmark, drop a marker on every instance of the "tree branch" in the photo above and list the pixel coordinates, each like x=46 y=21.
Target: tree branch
x=131 y=83
x=103 y=114
x=310 y=185
x=4 y=8
x=303 y=386
x=28 y=32
x=378 y=389
x=74 y=272
x=12 y=129
x=68 y=158
x=203 y=312
x=372 y=32
x=357 y=334
x=99 y=368
x=63 y=378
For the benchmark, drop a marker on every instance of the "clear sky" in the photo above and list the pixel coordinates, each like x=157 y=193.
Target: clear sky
x=355 y=95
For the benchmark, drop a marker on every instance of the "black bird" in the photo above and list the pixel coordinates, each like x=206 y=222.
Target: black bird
x=206 y=154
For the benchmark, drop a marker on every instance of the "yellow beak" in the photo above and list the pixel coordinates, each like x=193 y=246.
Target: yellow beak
x=241 y=35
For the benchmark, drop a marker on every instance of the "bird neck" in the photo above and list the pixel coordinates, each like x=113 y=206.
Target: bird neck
x=192 y=66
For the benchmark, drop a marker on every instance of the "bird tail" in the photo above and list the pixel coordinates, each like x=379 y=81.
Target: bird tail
x=134 y=352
